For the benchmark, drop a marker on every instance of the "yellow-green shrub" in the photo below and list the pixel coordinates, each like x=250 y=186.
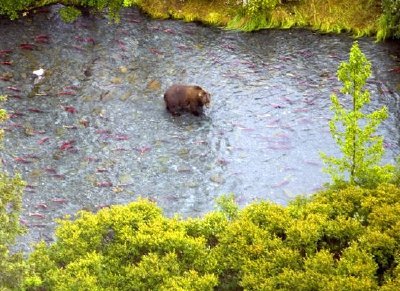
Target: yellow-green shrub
x=346 y=239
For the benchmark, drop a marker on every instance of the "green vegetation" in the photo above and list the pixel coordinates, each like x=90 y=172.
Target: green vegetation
x=335 y=240
x=343 y=238
x=354 y=131
x=389 y=21
x=360 y=17
x=69 y=14
x=12 y=7
x=12 y=265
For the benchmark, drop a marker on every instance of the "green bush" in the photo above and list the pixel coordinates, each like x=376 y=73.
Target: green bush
x=389 y=22
x=344 y=239
x=12 y=266
x=69 y=14
x=12 y=7
x=129 y=247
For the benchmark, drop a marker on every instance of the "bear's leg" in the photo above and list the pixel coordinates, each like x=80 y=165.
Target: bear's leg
x=194 y=108
x=174 y=112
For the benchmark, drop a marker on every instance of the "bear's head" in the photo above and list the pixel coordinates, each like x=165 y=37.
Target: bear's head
x=204 y=96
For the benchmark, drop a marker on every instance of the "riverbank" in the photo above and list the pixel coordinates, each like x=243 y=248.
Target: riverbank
x=359 y=17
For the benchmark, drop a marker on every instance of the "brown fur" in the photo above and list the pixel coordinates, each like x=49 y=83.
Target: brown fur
x=180 y=98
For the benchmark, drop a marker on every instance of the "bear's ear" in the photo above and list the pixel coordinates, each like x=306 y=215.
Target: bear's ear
x=197 y=87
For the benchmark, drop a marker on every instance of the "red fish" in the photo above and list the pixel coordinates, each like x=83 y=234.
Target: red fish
x=121 y=45
x=15 y=114
x=143 y=150
x=169 y=30
x=63 y=93
x=59 y=200
x=40 y=131
x=183 y=47
x=104 y=184
x=22 y=160
x=12 y=88
x=77 y=47
x=121 y=137
x=7 y=63
x=23 y=221
x=27 y=46
x=280 y=184
x=50 y=170
x=73 y=87
x=91 y=159
x=66 y=145
x=43 y=140
x=42 y=38
x=36 y=214
x=70 y=109
x=35 y=110
x=395 y=70
x=155 y=51
x=41 y=205
x=103 y=131
x=90 y=40
x=5 y=52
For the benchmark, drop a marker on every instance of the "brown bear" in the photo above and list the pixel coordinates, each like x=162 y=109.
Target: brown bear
x=189 y=98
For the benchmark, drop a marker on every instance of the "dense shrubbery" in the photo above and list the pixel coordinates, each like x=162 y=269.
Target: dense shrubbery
x=389 y=22
x=335 y=240
x=129 y=247
x=12 y=7
x=11 y=265
x=69 y=13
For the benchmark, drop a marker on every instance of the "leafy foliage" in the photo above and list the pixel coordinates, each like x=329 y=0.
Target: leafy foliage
x=11 y=188
x=389 y=22
x=354 y=131
x=129 y=247
x=114 y=6
x=334 y=240
x=12 y=265
x=69 y=14
x=12 y=7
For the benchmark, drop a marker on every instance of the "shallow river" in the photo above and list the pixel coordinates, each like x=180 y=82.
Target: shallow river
x=95 y=131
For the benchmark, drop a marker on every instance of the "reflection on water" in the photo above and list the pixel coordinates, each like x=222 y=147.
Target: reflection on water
x=95 y=132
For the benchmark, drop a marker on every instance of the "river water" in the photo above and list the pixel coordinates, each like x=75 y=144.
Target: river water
x=94 y=131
